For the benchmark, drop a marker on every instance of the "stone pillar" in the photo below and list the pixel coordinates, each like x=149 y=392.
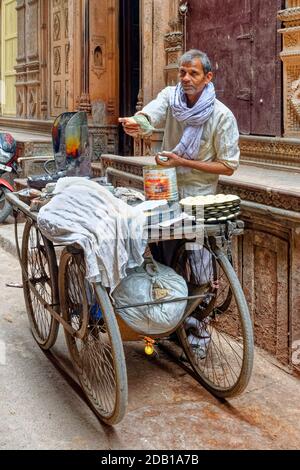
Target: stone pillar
x=104 y=76
x=290 y=56
x=155 y=16
x=21 y=78
x=75 y=59
x=175 y=39
x=44 y=55
x=162 y=43
x=33 y=60
x=85 y=104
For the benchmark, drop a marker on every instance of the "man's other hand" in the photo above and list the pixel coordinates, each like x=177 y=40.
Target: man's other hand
x=130 y=126
x=173 y=160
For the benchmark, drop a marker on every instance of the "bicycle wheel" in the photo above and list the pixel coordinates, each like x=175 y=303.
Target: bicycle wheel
x=39 y=273
x=217 y=338
x=97 y=350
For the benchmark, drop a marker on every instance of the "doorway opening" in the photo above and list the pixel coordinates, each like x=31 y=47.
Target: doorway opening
x=129 y=41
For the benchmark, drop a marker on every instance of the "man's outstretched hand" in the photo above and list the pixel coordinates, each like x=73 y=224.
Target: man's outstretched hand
x=130 y=126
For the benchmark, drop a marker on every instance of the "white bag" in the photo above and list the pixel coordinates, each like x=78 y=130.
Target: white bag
x=149 y=283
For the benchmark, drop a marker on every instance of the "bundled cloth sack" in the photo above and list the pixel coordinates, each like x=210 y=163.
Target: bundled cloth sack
x=149 y=283
x=110 y=232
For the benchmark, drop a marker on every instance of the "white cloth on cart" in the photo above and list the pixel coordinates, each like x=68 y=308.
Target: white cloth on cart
x=109 y=230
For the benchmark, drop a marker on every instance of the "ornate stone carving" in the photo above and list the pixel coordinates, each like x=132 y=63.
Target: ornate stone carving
x=174 y=44
x=60 y=56
x=20 y=105
x=295 y=96
x=56 y=60
x=56 y=26
x=98 y=55
x=32 y=25
x=289 y=17
x=183 y=7
x=129 y=168
x=57 y=95
x=85 y=102
x=290 y=40
x=272 y=152
x=32 y=103
x=138 y=147
x=140 y=101
x=21 y=31
x=111 y=106
x=291 y=67
x=104 y=139
x=292 y=3
x=173 y=39
x=99 y=113
x=67 y=57
x=66 y=12
x=268 y=198
x=28 y=76
x=99 y=146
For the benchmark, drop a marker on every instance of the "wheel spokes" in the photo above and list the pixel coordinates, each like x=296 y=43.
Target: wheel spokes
x=93 y=354
x=38 y=275
x=212 y=336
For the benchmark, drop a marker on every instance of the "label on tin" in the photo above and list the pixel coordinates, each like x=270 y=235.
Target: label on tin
x=160 y=183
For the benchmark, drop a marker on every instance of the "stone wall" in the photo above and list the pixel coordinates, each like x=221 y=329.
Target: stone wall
x=68 y=60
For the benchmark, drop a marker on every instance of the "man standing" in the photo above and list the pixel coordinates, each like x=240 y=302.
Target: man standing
x=201 y=140
x=201 y=134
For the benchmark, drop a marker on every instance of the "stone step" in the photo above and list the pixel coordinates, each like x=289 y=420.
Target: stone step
x=31 y=144
x=32 y=150
x=34 y=165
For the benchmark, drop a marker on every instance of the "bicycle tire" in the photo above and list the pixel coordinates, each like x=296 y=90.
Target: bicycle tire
x=39 y=268
x=98 y=358
x=202 y=358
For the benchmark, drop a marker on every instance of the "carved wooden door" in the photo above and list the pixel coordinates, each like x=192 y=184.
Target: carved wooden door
x=60 y=48
x=8 y=54
x=240 y=37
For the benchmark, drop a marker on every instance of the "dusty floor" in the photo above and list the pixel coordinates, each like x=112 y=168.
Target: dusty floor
x=167 y=408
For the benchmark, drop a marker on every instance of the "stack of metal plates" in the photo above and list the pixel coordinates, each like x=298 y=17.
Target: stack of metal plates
x=212 y=209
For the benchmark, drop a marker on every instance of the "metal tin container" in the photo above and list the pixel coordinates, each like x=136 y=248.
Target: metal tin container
x=160 y=183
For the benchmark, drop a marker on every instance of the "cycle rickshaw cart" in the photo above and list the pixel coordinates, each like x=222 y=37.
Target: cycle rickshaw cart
x=56 y=292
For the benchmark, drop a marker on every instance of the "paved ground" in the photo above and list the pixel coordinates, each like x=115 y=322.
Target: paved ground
x=167 y=408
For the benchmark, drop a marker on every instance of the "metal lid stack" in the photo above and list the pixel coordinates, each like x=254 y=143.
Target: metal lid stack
x=212 y=209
